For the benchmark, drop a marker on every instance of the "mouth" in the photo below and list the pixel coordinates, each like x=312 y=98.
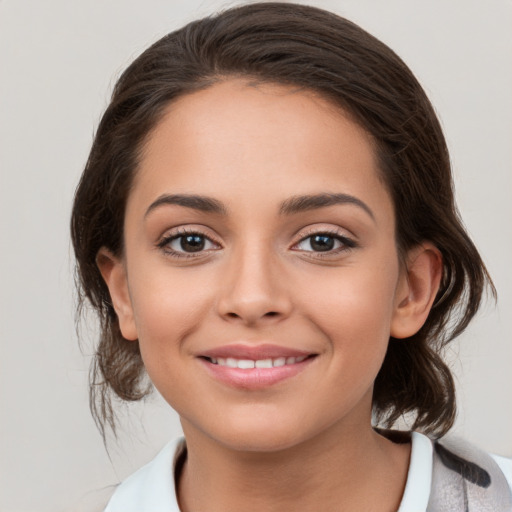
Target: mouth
x=249 y=364
x=254 y=368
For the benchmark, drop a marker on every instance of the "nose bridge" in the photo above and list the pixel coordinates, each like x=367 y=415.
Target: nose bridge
x=253 y=290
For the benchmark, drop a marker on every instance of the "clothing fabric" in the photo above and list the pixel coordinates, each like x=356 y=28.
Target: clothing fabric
x=454 y=476
x=435 y=472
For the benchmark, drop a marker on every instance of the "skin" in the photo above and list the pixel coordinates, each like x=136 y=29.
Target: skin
x=305 y=443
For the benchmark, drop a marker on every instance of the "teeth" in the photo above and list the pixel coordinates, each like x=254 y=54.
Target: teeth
x=247 y=364
x=263 y=363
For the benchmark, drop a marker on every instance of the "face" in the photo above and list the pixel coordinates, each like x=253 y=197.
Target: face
x=260 y=271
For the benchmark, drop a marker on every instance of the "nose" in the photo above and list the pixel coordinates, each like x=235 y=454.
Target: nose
x=254 y=289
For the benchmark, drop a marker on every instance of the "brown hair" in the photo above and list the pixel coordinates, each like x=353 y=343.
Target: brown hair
x=316 y=50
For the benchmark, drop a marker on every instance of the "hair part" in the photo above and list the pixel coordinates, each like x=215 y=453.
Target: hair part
x=309 y=48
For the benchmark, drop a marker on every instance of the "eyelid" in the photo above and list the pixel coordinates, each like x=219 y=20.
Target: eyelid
x=189 y=229
x=319 y=229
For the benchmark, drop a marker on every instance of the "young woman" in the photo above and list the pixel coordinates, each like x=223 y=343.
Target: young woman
x=266 y=228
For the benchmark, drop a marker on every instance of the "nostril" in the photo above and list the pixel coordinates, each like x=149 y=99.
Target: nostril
x=270 y=314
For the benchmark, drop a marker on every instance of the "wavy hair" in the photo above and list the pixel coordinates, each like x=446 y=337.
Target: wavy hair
x=316 y=50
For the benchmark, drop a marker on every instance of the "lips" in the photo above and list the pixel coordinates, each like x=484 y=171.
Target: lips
x=254 y=367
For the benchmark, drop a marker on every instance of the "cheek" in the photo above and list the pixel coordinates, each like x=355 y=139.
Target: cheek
x=353 y=308
x=357 y=297
x=168 y=307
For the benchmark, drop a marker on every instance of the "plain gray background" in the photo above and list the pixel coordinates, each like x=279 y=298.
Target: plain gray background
x=58 y=62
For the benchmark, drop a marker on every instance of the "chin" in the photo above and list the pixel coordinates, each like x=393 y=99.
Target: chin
x=261 y=435
x=246 y=432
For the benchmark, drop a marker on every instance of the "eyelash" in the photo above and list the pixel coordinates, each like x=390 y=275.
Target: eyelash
x=347 y=243
x=164 y=244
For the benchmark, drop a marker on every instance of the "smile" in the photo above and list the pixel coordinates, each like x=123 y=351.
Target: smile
x=251 y=368
x=248 y=364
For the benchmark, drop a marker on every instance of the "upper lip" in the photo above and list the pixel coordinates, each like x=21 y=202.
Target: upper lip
x=254 y=352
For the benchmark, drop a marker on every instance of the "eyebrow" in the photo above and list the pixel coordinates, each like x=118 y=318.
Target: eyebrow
x=196 y=202
x=299 y=204
x=293 y=205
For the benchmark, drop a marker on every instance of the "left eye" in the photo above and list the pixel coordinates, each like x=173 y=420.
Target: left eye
x=192 y=242
x=321 y=242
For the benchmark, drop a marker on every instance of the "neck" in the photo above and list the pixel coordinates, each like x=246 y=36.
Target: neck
x=345 y=468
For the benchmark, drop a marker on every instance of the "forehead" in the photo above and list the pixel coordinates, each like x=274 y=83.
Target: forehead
x=243 y=142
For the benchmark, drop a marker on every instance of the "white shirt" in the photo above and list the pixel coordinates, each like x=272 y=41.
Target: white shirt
x=151 y=488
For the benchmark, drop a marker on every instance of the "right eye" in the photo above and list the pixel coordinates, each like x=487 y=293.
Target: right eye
x=191 y=243
x=187 y=244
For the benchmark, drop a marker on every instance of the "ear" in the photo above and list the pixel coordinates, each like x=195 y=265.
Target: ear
x=416 y=290
x=113 y=271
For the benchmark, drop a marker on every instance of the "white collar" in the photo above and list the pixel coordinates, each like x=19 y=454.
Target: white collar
x=419 y=476
x=151 y=488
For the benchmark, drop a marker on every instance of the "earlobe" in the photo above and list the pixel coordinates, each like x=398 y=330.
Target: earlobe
x=113 y=271
x=417 y=290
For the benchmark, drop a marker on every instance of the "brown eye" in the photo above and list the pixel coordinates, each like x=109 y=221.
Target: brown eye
x=189 y=243
x=325 y=242
x=192 y=243
x=322 y=243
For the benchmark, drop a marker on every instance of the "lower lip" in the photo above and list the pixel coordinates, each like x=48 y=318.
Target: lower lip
x=254 y=378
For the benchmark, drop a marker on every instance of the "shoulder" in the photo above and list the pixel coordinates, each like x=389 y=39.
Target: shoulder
x=505 y=464
x=151 y=488
x=465 y=476
x=452 y=474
